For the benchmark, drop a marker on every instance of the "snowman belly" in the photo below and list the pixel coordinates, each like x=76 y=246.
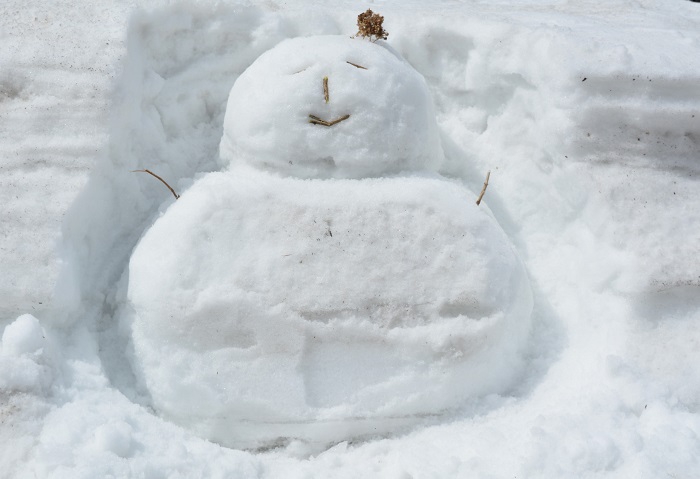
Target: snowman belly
x=297 y=303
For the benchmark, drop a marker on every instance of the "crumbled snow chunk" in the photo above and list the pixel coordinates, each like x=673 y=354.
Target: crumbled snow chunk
x=24 y=364
x=24 y=336
x=391 y=125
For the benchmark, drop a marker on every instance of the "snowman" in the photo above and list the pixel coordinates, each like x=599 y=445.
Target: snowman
x=328 y=283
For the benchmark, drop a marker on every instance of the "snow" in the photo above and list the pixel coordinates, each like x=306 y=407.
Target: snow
x=323 y=309
x=390 y=125
x=23 y=336
x=586 y=113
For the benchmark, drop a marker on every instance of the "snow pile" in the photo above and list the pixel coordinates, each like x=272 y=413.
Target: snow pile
x=25 y=365
x=325 y=309
x=24 y=336
x=390 y=122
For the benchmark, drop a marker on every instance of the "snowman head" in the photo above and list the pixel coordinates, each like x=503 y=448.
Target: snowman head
x=331 y=107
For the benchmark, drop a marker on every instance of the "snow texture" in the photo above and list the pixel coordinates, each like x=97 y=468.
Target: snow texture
x=24 y=336
x=391 y=121
x=323 y=309
x=259 y=325
x=586 y=113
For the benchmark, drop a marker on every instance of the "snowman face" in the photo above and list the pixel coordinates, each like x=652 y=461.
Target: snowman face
x=331 y=107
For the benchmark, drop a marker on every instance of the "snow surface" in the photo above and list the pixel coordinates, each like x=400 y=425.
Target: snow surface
x=390 y=125
x=323 y=310
x=587 y=114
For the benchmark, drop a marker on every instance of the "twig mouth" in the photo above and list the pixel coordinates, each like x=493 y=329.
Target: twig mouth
x=313 y=119
x=483 y=190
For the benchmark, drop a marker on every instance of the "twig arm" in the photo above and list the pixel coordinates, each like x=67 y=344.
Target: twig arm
x=161 y=179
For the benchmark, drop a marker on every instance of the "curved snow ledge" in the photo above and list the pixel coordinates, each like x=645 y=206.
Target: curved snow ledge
x=267 y=308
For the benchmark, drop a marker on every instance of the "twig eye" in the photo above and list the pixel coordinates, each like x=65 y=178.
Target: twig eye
x=356 y=65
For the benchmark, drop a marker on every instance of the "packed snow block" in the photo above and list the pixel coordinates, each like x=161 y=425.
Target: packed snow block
x=328 y=284
x=391 y=125
x=268 y=307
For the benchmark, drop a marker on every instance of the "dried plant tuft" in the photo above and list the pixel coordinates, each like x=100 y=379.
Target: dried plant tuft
x=370 y=26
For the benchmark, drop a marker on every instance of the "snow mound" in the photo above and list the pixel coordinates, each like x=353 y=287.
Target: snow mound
x=267 y=307
x=24 y=336
x=25 y=364
x=391 y=125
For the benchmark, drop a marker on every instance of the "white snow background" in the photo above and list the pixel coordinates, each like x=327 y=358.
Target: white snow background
x=587 y=114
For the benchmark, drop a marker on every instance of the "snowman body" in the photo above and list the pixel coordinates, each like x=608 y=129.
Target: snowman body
x=330 y=287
